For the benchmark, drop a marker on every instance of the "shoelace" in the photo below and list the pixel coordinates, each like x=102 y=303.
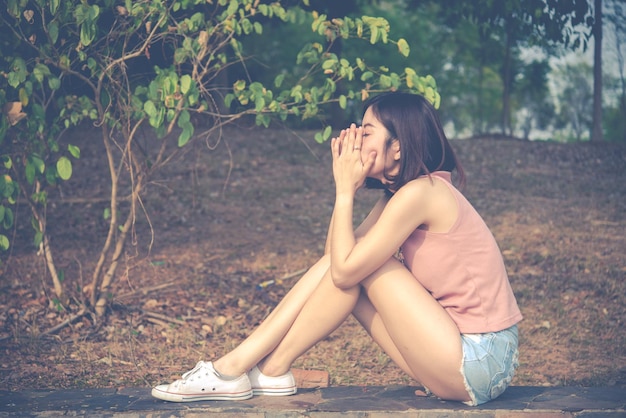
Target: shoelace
x=201 y=365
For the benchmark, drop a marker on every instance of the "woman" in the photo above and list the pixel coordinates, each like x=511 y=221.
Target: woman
x=442 y=307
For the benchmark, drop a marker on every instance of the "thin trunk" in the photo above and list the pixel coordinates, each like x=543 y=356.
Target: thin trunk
x=596 y=134
x=103 y=291
x=481 y=65
x=95 y=281
x=45 y=248
x=506 y=80
x=622 y=79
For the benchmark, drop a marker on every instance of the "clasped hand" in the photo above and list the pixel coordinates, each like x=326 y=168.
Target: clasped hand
x=350 y=167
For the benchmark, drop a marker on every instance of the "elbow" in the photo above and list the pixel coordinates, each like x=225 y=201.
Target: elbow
x=341 y=280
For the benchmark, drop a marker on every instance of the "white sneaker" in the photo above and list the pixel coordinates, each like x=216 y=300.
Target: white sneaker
x=203 y=383
x=272 y=386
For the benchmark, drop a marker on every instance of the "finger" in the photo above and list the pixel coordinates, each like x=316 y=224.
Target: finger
x=367 y=165
x=335 y=144
x=358 y=141
x=341 y=141
x=352 y=136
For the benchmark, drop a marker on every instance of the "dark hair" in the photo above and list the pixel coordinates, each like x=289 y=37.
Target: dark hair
x=424 y=148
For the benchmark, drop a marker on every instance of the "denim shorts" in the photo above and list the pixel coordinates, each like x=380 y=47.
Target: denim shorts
x=489 y=363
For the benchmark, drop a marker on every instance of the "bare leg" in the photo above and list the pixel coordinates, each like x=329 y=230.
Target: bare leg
x=323 y=312
x=370 y=319
x=273 y=329
x=413 y=329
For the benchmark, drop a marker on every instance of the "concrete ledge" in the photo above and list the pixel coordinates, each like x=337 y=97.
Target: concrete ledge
x=349 y=401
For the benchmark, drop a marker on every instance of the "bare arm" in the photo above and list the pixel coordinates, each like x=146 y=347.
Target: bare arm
x=364 y=227
x=352 y=260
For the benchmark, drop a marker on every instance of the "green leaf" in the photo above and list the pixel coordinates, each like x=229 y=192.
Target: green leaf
x=278 y=81
x=38 y=163
x=374 y=35
x=232 y=7
x=18 y=72
x=403 y=47
x=385 y=81
x=157 y=120
x=262 y=119
x=38 y=238
x=7 y=222
x=74 y=150
x=13 y=8
x=184 y=118
x=343 y=102
x=150 y=108
x=24 y=99
x=329 y=63
x=320 y=137
x=54 y=83
x=4 y=242
x=259 y=104
x=106 y=214
x=29 y=171
x=53 y=31
x=87 y=33
x=239 y=85
x=92 y=65
x=185 y=135
x=180 y=55
x=437 y=101
x=64 y=168
x=228 y=99
x=327 y=131
x=185 y=83
x=54 y=5
x=40 y=71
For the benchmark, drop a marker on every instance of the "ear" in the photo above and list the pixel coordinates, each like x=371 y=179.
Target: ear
x=395 y=149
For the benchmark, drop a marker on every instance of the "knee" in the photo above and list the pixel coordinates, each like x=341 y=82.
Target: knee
x=387 y=267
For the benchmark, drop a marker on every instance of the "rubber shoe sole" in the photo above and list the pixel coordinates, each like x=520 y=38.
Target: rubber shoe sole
x=160 y=392
x=284 y=385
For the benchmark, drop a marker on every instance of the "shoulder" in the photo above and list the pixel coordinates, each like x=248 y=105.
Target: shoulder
x=415 y=190
x=411 y=201
x=431 y=200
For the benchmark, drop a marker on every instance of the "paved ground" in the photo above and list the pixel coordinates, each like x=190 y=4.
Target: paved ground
x=351 y=401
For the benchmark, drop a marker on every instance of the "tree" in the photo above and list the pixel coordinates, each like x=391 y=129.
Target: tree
x=575 y=99
x=596 y=134
x=616 y=115
x=71 y=63
x=536 y=110
x=516 y=23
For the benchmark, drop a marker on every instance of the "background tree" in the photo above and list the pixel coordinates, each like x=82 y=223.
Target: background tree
x=615 y=114
x=596 y=134
x=516 y=23
x=536 y=109
x=575 y=98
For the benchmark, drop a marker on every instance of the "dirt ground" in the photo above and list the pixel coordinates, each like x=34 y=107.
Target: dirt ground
x=190 y=291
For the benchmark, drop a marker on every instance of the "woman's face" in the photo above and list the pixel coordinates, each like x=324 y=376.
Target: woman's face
x=375 y=137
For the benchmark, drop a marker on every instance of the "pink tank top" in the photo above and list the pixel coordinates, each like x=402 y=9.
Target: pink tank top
x=464 y=271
